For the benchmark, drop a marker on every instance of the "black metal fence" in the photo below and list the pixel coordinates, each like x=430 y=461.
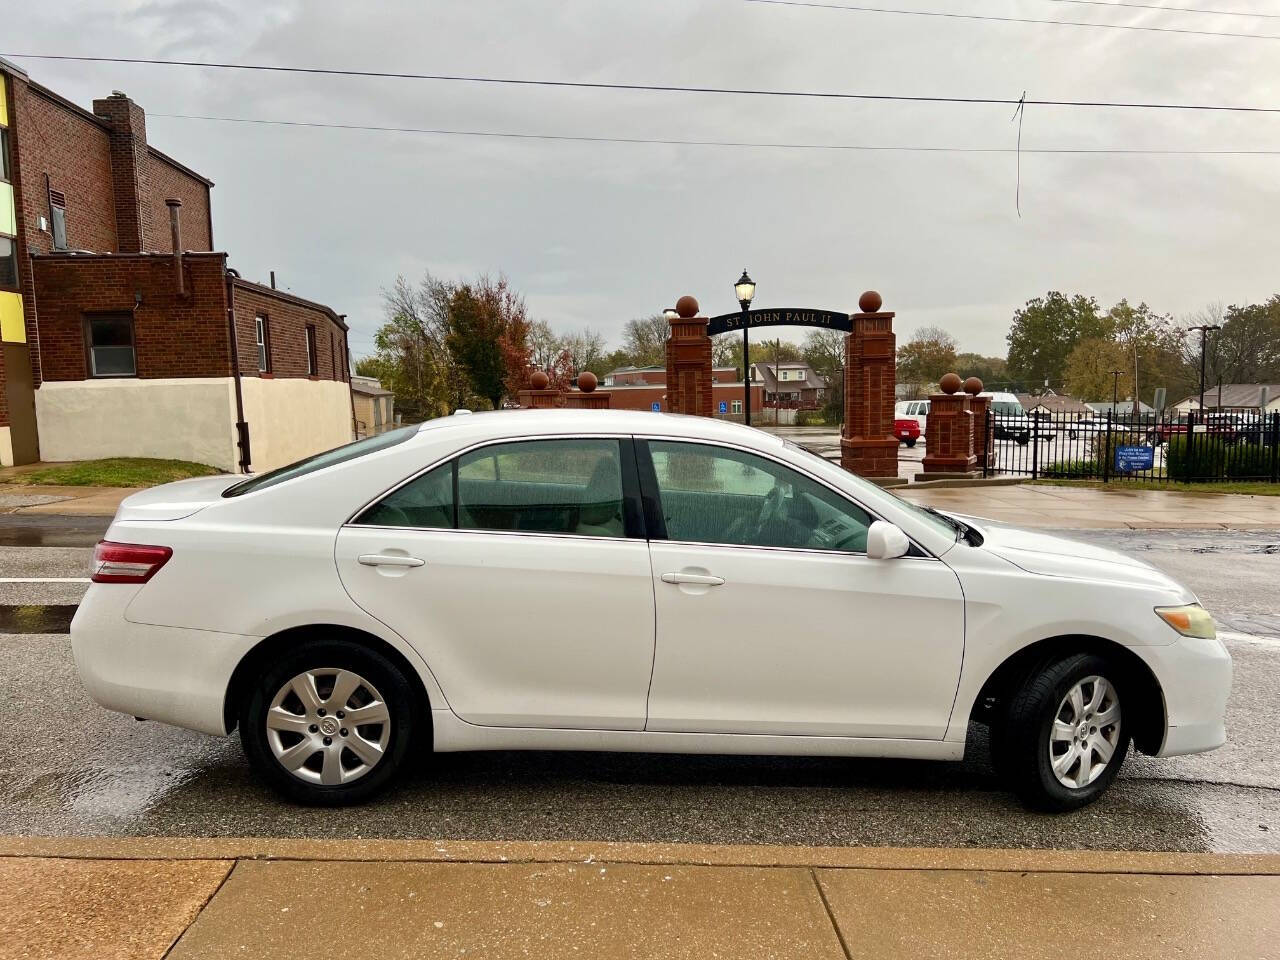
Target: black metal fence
x=1217 y=446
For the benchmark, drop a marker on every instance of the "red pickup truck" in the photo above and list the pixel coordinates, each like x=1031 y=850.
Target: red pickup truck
x=907 y=431
x=1222 y=429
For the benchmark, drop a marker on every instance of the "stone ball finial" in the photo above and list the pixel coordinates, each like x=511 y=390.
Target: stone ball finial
x=687 y=307
x=870 y=302
x=973 y=386
x=587 y=381
x=539 y=380
x=950 y=383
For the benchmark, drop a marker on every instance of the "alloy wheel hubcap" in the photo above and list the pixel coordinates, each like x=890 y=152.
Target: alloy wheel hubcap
x=1085 y=732
x=328 y=726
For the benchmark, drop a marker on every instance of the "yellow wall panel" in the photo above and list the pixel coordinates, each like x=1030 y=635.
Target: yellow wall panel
x=12 y=329
x=4 y=105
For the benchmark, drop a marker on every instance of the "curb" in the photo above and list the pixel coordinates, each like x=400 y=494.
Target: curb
x=675 y=854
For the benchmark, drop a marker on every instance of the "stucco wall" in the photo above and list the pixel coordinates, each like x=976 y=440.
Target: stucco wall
x=291 y=418
x=179 y=419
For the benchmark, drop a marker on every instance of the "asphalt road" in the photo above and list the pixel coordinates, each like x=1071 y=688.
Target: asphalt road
x=69 y=767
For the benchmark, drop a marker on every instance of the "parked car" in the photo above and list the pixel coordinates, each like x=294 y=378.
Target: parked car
x=917 y=410
x=1011 y=422
x=612 y=580
x=1222 y=428
x=907 y=430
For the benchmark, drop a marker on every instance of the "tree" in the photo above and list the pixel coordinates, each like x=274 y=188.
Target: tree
x=992 y=371
x=488 y=337
x=824 y=352
x=930 y=353
x=410 y=357
x=1046 y=330
x=544 y=345
x=645 y=340
x=1247 y=349
x=1089 y=370
x=585 y=351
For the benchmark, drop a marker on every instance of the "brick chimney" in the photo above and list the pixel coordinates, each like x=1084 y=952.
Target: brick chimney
x=128 y=139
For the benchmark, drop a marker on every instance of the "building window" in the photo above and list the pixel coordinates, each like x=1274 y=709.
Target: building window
x=333 y=356
x=262 y=335
x=110 y=343
x=8 y=263
x=4 y=151
x=312 y=366
x=736 y=407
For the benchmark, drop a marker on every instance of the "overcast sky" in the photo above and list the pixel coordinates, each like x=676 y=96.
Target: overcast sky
x=594 y=234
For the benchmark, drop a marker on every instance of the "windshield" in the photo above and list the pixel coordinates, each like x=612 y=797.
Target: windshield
x=873 y=490
x=1007 y=407
x=319 y=461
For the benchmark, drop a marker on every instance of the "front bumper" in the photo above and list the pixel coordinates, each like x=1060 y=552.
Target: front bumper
x=169 y=674
x=1195 y=676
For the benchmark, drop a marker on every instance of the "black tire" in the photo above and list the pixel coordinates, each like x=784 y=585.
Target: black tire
x=397 y=692
x=1024 y=439
x=1021 y=750
x=909 y=443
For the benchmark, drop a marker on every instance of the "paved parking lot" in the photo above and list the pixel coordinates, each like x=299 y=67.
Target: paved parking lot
x=67 y=767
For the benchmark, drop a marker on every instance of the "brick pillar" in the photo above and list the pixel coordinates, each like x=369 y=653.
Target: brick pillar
x=689 y=362
x=983 y=444
x=129 y=180
x=867 y=444
x=587 y=397
x=949 y=440
x=540 y=395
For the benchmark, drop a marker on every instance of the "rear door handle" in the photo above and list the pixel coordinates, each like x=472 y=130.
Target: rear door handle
x=389 y=560
x=699 y=578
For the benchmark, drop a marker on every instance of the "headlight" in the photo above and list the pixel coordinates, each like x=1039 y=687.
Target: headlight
x=1192 y=620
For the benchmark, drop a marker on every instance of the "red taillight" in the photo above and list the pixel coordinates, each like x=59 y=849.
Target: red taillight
x=127 y=562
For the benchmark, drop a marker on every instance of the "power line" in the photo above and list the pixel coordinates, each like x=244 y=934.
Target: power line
x=767 y=145
x=1032 y=20
x=655 y=88
x=1156 y=6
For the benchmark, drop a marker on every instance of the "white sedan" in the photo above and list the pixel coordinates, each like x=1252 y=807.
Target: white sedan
x=596 y=580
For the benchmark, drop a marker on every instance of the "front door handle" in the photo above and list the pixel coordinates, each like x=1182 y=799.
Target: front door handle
x=702 y=579
x=389 y=560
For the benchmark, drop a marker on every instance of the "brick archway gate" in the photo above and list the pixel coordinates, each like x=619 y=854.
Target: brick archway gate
x=867 y=444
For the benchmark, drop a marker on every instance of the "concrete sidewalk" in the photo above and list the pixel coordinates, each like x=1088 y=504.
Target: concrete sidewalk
x=1093 y=508
x=153 y=898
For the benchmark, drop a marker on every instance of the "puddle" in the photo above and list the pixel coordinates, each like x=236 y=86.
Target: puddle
x=36 y=617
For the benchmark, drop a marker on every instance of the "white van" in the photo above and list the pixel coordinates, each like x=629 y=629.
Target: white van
x=1011 y=422
x=917 y=410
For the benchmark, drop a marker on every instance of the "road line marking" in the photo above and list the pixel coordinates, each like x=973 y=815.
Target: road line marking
x=1249 y=638
x=45 y=580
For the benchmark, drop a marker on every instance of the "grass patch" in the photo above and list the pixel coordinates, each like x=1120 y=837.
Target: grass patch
x=1257 y=488
x=113 y=472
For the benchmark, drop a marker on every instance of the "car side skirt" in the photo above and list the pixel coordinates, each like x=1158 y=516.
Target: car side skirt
x=452 y=734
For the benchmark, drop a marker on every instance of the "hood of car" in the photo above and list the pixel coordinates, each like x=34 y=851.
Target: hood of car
x=1053 y=556
x=173 y=501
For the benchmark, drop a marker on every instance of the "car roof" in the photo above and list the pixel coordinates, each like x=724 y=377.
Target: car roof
x=512 y=423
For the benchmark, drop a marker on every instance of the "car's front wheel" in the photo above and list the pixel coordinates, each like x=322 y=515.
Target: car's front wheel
x=1064 y=737
x=328 y=723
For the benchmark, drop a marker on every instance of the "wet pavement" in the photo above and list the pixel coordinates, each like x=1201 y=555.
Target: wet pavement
x=70 y=768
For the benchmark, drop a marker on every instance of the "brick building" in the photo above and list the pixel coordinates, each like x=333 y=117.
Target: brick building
x=639 y=388
x=124 y=332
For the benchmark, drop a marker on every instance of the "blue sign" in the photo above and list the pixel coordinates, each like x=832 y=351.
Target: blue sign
x=724 y=407
x=656 y=407
x=1130 y=459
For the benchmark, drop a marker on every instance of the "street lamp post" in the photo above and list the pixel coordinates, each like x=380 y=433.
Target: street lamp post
x=745 y=289
x=1115 y=390
x=1204 y=329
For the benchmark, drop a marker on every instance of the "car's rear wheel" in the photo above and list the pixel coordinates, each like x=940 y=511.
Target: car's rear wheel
x=1064 y=738
x=328 y=723
x=911 y=442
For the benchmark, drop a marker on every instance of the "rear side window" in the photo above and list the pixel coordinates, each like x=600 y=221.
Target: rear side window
x=320 y=461
x=571 y=486
x=543 y=486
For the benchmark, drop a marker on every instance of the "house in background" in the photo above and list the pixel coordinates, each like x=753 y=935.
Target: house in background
x=124 y=332
x=645 y=388
x=790 y=386
x=1234 y=396
x=1122 y=409
x=1058 y=404
x=374 y=406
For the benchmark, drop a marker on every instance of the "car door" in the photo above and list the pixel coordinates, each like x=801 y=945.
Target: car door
x=772 y=619
x=519 y=571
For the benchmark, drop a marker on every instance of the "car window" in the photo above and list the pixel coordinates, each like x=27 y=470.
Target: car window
x=718 y=495
x=319 y=461
x=571 y=486
x=425 y=501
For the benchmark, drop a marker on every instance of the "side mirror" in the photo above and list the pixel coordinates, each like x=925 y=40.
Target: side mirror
x=886 y=542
